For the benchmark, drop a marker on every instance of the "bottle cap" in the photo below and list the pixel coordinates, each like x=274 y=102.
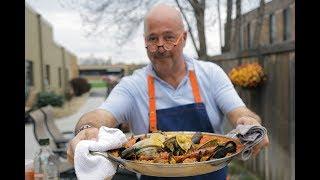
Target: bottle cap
x=44 y=142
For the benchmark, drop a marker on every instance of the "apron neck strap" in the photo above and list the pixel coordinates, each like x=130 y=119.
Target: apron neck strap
x=152 y=105
x=152 y=98
x=195 y=86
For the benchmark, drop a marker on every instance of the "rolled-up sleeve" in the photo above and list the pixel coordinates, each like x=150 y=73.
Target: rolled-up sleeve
x=119 y=102
x=225 y=94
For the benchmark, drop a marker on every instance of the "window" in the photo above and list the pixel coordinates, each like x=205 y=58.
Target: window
x=249 y=38
x=272 y=28
x=286 y=24
x=29 y=73
x=60 y=77
x=47 y=78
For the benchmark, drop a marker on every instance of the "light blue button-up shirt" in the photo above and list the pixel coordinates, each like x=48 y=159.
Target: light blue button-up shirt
x=129 y=100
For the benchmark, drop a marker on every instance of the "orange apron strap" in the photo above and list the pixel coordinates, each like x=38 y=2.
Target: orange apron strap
x=152 y=105
x=194 y=86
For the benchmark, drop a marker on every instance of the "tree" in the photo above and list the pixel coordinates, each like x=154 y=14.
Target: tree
x=237 y=34
x=105 y=16
x=226 y=47
x=199 y=10
x=219 y=19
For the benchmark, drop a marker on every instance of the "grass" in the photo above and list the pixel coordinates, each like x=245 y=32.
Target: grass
x=98 y=84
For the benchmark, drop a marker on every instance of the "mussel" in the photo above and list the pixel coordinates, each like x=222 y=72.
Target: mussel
x=148 y=147
x=210 y=143
x=178 y=144
x=222 y=150
x=149 y=152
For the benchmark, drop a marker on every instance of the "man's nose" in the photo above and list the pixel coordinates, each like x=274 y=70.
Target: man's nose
x=160 y=45
x=160 y=42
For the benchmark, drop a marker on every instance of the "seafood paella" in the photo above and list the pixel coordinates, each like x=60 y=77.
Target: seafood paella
x=175 y=147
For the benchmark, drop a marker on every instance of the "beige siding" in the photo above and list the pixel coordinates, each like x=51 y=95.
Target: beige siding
x=32 y=46
x=53 y=54
x=67 y=67
x=68 y=58
x=52 y=57
x=74 y=68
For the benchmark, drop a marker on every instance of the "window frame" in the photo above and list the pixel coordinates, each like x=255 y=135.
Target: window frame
x=47 y=73
x=60 y=76
x=29 y=73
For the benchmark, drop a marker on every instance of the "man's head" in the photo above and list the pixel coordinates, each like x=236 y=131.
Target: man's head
x=163 y=26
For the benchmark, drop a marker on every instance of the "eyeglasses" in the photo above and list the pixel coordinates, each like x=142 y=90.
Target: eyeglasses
x=168 y=43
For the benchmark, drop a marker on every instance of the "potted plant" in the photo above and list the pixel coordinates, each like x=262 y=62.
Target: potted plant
x=248 y=76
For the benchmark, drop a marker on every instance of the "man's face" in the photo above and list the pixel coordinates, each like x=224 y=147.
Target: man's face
x=163 y=33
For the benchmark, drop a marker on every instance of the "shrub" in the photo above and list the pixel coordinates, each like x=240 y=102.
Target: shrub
x=80 y=86
x=68 y=95
x=46 y=98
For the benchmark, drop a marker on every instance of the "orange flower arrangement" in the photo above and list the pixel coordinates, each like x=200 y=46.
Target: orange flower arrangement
x=247 y=75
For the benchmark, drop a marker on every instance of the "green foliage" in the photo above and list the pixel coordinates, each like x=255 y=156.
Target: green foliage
x=49 y=98
x=80 y=86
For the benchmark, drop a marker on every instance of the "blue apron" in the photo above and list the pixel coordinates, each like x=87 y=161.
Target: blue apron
x=190 y=117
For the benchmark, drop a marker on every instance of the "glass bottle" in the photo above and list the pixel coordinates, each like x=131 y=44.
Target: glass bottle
x=45 y=162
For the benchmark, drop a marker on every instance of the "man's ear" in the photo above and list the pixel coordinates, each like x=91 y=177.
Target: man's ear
x=145 y=39
x=185 y=35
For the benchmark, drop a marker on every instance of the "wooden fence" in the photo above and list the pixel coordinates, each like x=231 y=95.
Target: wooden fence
x=274 y=102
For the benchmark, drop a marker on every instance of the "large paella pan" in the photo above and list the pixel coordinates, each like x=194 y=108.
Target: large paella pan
x=175 y=154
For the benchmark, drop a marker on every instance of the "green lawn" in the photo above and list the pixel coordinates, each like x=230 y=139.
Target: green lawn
x=97 y=84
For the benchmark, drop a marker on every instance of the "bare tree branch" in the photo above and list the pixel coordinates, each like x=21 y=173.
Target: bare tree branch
x=219 y=19
x=102 y=16
x=199 y=13
x=189 y=27
x=237 y=34
x=123 y=17
x=193 y=3
x=228 y=26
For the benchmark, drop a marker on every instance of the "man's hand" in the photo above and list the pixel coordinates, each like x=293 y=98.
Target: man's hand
x=247 y=120
x=95 y=119
x=86 y=134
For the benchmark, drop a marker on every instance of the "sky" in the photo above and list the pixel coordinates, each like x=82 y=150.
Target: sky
x=68 y=31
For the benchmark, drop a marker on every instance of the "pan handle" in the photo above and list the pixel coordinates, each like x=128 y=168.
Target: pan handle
x=105 y=155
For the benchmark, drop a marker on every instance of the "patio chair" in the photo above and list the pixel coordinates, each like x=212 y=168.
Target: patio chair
x=60 y=138
x=40 y=132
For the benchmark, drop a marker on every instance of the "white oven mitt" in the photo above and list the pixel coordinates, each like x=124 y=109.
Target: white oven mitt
x=88 y=166
x=249 y=135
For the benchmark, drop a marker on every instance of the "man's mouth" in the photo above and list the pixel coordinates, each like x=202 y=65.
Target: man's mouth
x=162 y=55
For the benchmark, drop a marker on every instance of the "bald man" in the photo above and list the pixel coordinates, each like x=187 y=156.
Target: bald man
x=173 y=92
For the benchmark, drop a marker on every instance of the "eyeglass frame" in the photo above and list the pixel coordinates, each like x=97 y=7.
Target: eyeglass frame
x=174 y=44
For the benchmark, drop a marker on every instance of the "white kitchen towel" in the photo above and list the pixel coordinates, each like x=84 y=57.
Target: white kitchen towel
x=89 y=166
x=249 y=135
